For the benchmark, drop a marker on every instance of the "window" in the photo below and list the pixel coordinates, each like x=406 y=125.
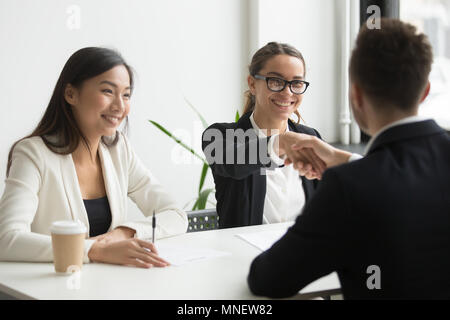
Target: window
x=432 y=17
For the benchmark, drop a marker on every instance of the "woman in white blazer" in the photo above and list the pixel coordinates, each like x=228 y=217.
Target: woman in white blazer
x=76 y=165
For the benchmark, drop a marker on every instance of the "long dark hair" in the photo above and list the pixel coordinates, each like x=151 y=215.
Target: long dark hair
x=258 y=62
x=58 y=127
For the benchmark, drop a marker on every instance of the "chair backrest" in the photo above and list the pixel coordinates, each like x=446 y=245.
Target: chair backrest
x=202 y=220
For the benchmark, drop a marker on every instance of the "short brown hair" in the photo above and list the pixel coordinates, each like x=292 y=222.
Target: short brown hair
x=392 y=64
x=258 y=62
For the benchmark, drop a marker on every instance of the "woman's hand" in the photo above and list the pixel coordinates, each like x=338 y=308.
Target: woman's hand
x=310 y=155
x=305 y=168
x=306 y=161
x=130 y=252
x=118 y=234
x=330 y=155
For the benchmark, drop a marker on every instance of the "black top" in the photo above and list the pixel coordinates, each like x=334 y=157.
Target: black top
x=382 y=223
x=99 y=214
x=241 y=188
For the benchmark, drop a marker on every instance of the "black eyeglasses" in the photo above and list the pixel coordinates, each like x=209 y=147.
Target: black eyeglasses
x=277 y=85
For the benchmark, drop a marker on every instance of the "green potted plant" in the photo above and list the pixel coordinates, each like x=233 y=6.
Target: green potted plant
x=203 y=194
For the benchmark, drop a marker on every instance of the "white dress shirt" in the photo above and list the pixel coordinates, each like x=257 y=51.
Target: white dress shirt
x=411 y=119
x=43 y=187
x=285 y=196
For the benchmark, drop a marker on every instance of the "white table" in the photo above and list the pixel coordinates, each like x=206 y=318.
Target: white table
x=217 y=278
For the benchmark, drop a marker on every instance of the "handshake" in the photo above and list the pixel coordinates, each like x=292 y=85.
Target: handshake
x=309 y=155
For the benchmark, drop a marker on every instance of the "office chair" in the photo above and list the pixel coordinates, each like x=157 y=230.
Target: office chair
x=202 y=220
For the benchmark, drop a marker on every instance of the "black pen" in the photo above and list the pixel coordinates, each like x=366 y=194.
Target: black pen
x=153 y=226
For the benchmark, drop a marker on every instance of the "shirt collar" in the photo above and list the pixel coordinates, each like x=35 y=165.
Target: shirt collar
x=262 y=132
x=406 y=120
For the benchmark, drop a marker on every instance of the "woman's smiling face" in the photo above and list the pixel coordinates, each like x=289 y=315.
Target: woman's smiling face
x=101 y=103
x=277 y=105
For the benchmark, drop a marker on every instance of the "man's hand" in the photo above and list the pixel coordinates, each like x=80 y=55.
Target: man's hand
x=306 y=169
x=306 y=161
x=329 y=154
x=308 y=154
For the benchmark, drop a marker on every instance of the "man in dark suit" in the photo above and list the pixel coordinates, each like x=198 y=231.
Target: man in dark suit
x=381 y=222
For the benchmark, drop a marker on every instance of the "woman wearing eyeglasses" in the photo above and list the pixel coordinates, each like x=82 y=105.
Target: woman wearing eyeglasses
x=263 y=190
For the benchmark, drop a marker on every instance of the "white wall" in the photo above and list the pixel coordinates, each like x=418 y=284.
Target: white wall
x=194 y=48
x=312 y=27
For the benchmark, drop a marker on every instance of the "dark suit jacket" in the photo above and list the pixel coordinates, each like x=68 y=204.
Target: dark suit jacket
x=390 y=209
x=241 y=188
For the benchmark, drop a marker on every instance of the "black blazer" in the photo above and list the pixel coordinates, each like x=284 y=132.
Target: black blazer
x=390 y=209
x=241 y=188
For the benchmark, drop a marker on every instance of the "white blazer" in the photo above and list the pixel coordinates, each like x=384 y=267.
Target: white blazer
x=43 y=187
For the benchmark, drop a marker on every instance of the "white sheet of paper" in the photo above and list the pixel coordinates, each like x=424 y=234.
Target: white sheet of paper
x=262 y=240
x=179 y=255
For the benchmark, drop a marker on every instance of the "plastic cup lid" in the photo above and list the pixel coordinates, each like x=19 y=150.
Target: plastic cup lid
x=68 y=227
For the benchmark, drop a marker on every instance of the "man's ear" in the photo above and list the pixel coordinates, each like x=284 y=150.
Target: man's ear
x=356 y=97
x=426 y=92
x=251 y=84
x=71 y=95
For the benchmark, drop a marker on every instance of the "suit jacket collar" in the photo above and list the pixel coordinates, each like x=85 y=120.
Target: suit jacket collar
x=244 y=122
x=112 y=185
x=72 y=189
x=404 y=132
x=73 y=192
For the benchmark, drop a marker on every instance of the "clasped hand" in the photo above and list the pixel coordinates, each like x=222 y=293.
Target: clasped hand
x=309 y=155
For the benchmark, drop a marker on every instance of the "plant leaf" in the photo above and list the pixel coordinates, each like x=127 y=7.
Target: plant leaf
x=237 y=117
x=186 y=205
x=195 y=205
x=202 y=177
x=160 y=127
x=205 y=124
x=202 y=198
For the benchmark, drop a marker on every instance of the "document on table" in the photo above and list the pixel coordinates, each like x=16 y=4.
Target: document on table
x=262 y=240
x=179 y=255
